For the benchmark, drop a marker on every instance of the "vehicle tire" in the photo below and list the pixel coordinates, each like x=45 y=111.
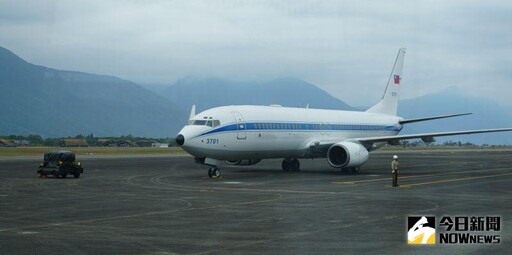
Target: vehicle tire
x=56 y=174
x=286 y=165
x=63 y=175
x=295 y=165
x=210 y=172
x=76 y=175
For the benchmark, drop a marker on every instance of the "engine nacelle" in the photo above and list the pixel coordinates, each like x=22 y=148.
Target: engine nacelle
x=347 y=154
x=243 y=162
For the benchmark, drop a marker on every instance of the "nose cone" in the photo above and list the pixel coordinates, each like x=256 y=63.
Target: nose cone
x=180 y=139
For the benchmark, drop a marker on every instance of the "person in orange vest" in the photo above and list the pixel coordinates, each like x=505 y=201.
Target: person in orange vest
x=394 y=168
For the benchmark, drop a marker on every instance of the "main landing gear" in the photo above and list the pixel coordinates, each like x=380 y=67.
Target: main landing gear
x=214 y=172
x=292 y=165
x=348 y=170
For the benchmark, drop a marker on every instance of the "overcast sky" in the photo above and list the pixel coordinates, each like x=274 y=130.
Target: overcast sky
x=345 y=47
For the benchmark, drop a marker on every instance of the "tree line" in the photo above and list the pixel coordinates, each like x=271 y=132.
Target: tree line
x=37 y=140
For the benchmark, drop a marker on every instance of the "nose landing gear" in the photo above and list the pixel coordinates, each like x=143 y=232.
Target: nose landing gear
x=214 y=172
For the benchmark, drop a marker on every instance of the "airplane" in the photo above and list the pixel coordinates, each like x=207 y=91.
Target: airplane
x=244 y=135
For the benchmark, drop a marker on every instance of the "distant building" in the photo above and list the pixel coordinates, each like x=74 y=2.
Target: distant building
x=74 y=142
x=103 y=142
x=115 y=143
x=144 y=143
x=160 y=145
x=7 y=143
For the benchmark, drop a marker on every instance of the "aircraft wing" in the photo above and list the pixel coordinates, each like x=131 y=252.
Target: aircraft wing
x=319 y=147
x=426 y=137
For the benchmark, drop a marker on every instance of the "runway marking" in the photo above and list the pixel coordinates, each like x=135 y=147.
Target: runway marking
x=295 y=235
x=425 y=175
x=28 y=233
x=152 y=213
x=442 y=164
x=223 y=188
x=454 y=180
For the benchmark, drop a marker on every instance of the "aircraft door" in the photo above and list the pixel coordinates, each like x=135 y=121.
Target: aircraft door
x=324 y=129
x=242 y=134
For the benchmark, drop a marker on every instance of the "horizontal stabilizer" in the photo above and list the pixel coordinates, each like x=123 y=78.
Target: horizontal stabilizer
x=432 y=118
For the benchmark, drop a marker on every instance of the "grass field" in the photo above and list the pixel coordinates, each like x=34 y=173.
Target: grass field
x=39 y=151
x=440 y=147
x=36 y=151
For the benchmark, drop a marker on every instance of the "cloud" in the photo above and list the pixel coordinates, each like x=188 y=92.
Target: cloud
x=345 y=47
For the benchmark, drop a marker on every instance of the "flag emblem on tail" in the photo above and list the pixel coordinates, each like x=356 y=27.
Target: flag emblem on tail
x=397 y=79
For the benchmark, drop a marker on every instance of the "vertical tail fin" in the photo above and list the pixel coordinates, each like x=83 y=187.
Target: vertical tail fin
x=389 y=103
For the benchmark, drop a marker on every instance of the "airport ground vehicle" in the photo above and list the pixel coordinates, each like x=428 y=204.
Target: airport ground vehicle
x=59 y=164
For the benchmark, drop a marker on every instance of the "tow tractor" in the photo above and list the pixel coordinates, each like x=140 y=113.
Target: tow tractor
x=59 y=164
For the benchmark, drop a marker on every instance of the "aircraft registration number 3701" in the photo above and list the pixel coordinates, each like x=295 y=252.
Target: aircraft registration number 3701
x=212 y=141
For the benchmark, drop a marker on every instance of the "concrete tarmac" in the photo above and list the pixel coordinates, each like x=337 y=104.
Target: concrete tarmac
x=168 y=205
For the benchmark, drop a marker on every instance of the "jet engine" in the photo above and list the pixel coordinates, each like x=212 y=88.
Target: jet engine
x=347 y=154
x=243 y=162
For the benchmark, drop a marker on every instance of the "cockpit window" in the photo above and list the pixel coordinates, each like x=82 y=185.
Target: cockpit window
x=206 y=122
x=199 y=122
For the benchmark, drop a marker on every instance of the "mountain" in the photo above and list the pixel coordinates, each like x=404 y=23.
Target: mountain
x=40 y=100
x=212 y=92
x=53 y=103
x=486 y=114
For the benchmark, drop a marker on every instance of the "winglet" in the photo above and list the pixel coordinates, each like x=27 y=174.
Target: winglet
x=192 y=115
x=192 y=112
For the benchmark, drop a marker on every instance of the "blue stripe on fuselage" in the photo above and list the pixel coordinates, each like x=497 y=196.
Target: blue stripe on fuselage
x=300 y=127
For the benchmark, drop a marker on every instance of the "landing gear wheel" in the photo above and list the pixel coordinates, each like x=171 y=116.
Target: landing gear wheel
x=216 y=172
x=354 y=170
x=291 y=165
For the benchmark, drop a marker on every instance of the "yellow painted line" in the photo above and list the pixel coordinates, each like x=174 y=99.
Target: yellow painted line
x=401 y=186
x=453 y=180
x=425 y=175
x=438 y=164
x=451 y=163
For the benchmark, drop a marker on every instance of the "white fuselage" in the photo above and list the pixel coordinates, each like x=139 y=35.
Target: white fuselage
x=258 y=132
